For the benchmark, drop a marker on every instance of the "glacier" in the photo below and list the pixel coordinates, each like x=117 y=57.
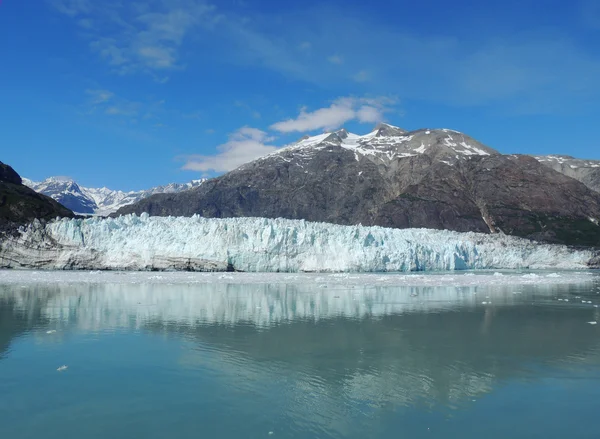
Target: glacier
x=270 y=245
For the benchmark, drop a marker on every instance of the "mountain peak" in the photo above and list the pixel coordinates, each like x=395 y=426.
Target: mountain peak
x=387 y=130
x=59 y=179
x=9 y=175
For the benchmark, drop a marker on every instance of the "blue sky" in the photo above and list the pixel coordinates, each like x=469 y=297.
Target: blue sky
x=132 y=94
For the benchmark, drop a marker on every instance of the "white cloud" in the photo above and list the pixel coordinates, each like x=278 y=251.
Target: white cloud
x=157 y=57
x=368 y=114
x=342 y=110
x=244 y=145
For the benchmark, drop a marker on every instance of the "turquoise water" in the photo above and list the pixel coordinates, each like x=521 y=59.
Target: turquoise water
x=299 y=361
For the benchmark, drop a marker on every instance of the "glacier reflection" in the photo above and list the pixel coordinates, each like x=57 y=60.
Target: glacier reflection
x=366 y=345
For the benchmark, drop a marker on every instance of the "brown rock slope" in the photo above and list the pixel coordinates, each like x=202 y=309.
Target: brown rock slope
x=437 y=179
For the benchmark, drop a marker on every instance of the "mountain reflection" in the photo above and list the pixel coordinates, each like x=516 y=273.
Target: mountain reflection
x=383 y=345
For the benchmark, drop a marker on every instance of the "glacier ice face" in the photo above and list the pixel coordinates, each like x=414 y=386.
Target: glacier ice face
x=269 y=245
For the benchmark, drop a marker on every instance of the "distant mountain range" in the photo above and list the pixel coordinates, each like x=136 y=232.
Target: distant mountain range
x=432 y=178
x=98 y=201
x=427 y=178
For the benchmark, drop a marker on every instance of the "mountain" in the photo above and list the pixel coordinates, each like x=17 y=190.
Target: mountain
x=586 y=171
x=433 y=178
x=20 y=205
x=98 y=201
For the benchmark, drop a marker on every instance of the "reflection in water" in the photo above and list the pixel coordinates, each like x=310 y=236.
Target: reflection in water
x=329 y=354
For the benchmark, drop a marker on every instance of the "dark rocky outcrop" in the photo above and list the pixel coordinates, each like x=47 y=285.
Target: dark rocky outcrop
x=437 y=179
x=8 y=174
x=20 y=205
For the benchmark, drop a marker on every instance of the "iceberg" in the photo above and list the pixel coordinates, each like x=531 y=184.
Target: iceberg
x=196 y=243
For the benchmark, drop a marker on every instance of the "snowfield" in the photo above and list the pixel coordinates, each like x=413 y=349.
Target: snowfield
x=270 y=245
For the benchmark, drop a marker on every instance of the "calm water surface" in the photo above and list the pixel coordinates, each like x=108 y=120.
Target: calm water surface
x=294 y=361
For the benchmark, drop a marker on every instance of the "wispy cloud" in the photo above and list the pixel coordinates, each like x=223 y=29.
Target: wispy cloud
x=362 y=76
x=99 y=96
x=305 y=46
x=123 y=109
x=516 y=70
x=106 y=102
x=72 y=8
x=135 y=37
x=342 y=110
x=244 y=145
x=336 y=59
x=506 y=70
x=254 y=113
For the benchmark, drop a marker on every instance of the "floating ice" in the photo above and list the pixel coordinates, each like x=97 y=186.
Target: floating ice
x=62 y=368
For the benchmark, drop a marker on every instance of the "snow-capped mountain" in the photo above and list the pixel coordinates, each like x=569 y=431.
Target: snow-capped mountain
x=433 y=178
x=586 y=171
x=98 y=201
x=388 y=143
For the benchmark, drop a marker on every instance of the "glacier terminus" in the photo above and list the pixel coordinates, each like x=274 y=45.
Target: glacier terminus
x=196 y=243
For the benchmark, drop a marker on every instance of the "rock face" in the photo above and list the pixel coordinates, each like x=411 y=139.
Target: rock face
x=586 y=171
x=438 y=179
x=98 y=201
x=20 y=205
x=8 y=174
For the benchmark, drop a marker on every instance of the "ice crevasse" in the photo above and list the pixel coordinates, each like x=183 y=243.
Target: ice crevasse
x=270 y=245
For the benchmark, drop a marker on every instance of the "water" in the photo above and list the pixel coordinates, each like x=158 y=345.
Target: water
x=316 y=357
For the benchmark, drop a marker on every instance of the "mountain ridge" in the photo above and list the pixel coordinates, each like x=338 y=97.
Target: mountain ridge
x=433 y=178
x=98 y=201
x=586 y=171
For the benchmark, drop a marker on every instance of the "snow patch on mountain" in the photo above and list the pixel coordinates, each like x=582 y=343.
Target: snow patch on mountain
x=387 y=143
x=270 y=245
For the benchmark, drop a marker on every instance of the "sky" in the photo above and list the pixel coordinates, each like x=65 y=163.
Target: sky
x=132 y=94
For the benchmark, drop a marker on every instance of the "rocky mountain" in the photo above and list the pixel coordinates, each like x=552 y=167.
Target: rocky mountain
x=586 y=171
x=434 y=178
x=20 y=205
x=98 y=201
